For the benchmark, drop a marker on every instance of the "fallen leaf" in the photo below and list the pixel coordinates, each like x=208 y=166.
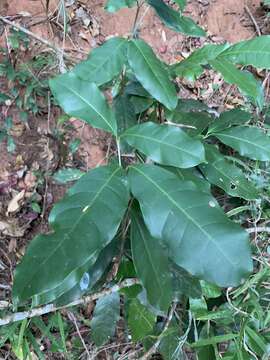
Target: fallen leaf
x=11 y=228
x=14 y=204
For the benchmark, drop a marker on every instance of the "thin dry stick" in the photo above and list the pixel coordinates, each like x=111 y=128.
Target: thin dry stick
x=154 y=348
x=259 y=229
x=10 y=318
x=74 y=320
x=258 y=30
x=31 y=34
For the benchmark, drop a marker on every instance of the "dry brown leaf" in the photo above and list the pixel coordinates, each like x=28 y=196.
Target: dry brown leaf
x=11 y=228
x=14 y=204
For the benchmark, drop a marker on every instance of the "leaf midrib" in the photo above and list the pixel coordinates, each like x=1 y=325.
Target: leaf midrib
x=241 y=139
x=160 y=142
x=153 y=72
x=185 y=213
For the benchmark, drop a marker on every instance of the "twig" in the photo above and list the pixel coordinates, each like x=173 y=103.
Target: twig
x=74 y=320
x=154 y=348
x=258 y=30
x=258 y=229
x=31 y=34
x=179 y=125
x=10 y=318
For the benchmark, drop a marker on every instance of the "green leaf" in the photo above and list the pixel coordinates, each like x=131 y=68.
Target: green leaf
x=140 y=320
x=83 y=100
x=115 y=5
x=181 y=3
x=228 y=119
x=104 y=63
x=254 y=52
x=84 y=222
x=135 y=88
x=191 y=175
x=140 y=104
x=105 y=317
x=227 y=176
x=64 y=176
x=198 y=235
x=174 y=20
x=169 y=345
x=251 y=142
x=124 y=112
x=197 y=121
x=210 y=291
x=92 y=276
x=191 y=68
x=165 y=144
x=151 y=73
x=185 y=284
x=245 y=81
x=256 y=342
x=151 y=264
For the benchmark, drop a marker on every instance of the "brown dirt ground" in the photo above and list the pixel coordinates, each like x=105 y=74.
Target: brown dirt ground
x=37 y=149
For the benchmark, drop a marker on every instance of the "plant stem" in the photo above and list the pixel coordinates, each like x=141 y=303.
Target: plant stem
x=118 y=151
x=154 y=348
x=134 y=28
x=19 y=316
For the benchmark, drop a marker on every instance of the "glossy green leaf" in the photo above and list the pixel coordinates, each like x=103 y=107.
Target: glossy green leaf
x=195 y=122
x=84 y=222
x=191 y=175
x=140 y=104
x=185 y=284
x=136 y=89
x=151 y=264
x=227 y=176
x=64 y=176
x=251 y=142
x=83 y=100
x=105 y=317
x=198 y=235
x=92 y=276
x=140 y=320
x=151 y=73
x=174 y=20
x=191 y=68
x=165 y=144
x=228 y=119
x=254 y=52
x=104 y=63
x=124 y=112
x=115 y=5
x=245 y=81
